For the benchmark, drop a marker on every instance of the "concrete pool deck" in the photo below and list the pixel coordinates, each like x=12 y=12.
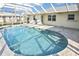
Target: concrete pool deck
x=72 y=36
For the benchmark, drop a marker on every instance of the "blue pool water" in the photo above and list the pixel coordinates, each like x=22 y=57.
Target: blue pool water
x=34 y=42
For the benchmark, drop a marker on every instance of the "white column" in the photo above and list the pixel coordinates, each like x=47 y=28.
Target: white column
x=23 y=19
x=12 y=20
x=20 y=19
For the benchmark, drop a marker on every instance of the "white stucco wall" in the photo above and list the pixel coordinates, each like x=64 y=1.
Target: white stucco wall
x=1 y=20
x=62 y=20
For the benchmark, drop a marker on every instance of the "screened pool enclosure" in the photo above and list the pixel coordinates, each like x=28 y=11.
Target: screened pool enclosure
x=18 y=13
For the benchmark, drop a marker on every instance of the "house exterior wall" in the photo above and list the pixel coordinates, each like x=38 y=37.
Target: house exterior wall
x=62 y=20
x=1 y=20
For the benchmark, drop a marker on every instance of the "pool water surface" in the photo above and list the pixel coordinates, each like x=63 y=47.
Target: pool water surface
x=30 y=41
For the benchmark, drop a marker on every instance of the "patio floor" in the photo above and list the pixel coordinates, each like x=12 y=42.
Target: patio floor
x=72 y=36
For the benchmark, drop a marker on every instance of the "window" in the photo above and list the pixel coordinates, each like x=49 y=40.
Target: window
x=49 y=17
x=71 y=17
x=54 y=18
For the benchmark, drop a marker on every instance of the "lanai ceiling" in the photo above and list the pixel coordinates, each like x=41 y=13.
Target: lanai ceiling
x=34 y=8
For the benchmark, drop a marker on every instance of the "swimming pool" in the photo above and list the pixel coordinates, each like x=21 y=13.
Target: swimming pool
x=30 y=41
